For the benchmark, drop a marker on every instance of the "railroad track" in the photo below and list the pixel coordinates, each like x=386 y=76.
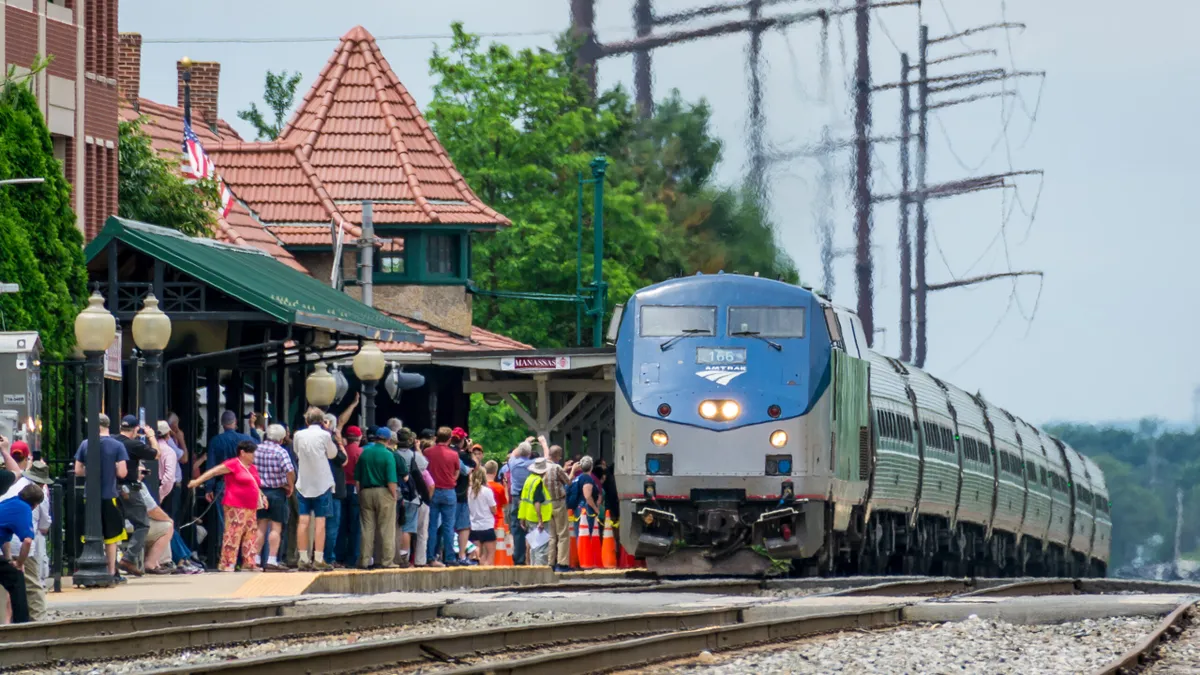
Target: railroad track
x=637 y=636
x=1144 y=653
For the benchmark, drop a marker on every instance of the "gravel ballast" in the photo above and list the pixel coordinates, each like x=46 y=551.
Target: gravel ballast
x=289 y=645
x=977 y=646
x=1179 y=656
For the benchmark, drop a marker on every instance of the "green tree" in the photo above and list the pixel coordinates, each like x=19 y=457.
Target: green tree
x=41 y=247
x=151 y=189
x=279 y=94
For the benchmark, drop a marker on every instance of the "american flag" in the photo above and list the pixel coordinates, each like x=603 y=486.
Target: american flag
x=200 y=166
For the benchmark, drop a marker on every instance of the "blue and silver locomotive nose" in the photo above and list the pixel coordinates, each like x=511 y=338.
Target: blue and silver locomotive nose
x=718 y=378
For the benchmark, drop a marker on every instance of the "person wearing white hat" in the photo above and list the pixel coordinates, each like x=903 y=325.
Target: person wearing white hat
x=535 y=511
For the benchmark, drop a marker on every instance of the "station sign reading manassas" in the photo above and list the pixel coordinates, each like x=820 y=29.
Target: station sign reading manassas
x=526 y=363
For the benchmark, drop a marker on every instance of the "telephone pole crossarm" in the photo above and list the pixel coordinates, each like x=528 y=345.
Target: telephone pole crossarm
x=978 y=29
x=970 y=281
x=970 y=99
x=766 y=23
x=984 y=80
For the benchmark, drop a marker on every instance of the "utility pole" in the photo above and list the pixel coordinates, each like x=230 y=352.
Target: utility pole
x=905 y=242
x=825 y=210
x=643 y=80
x=755 y=122
x=583 y=31
x=922 y=223
x=862 y=174
x=915 y=291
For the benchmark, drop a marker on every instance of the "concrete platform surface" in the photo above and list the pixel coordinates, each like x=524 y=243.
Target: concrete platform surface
x=1046 y=609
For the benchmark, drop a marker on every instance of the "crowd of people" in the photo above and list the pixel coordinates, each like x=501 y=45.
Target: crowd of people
x=328 y=495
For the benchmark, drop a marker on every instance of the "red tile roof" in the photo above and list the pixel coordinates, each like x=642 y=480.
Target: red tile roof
x=357 y=135
x=438 y=340
x=164 y=125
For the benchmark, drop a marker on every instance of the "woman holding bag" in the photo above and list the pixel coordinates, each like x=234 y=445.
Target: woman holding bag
x=243 y=499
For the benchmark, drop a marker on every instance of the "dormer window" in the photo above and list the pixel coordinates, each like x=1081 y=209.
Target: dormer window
x=441 y=255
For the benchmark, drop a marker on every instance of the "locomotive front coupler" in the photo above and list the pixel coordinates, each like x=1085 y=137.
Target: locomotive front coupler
x=652 y=540
x=777 y=528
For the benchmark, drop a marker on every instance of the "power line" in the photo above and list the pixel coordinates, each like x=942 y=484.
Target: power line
x=378 y=38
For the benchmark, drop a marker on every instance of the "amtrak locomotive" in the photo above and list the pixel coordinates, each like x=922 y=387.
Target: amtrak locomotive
x=755 y=430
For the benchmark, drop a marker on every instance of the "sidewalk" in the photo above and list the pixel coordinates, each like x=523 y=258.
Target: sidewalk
x=209 y=586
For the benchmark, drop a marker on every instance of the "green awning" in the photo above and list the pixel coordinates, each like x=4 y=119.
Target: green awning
x=257 y=279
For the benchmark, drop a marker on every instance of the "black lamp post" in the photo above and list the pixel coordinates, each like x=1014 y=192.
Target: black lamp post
x=151 y=333
x=95 y=329
x=369 y=364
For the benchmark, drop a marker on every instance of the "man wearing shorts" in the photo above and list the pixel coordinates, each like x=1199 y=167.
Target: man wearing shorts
x=112 y=467
x=278 y=476
x=314 y=448
x=410 y=500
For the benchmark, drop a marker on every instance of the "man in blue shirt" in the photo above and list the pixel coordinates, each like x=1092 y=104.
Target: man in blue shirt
x=113 y=466
x=16 y=519
x=518 y=472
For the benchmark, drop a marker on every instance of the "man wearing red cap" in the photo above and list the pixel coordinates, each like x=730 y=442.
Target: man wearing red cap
x=349 y=537
x=462 y=520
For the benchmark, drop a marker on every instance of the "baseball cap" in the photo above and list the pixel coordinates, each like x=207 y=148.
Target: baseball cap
x=383 y=433
x=20 y=450
x=228 y=417
x=163 y=428
x=354 y=432
x=427 y=433
x=129 y=422
x=458 y=433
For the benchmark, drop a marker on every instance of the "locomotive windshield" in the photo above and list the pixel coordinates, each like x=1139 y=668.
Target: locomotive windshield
x=776 y=322
x=663 y=321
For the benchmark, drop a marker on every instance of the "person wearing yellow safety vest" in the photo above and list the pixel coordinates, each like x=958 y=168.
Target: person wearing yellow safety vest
x=535 y=511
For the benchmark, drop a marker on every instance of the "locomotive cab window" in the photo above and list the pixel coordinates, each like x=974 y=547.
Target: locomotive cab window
x=665 y=321
x=769 y=322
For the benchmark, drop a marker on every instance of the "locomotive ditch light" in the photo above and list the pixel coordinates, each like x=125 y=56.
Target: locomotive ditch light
x=779 y=438
x=708 y=409
x=774 y=411
x=664 y=410
x=659 y=437
x=730 y=410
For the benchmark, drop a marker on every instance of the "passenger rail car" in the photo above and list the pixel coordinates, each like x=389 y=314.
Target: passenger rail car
x=753 y=426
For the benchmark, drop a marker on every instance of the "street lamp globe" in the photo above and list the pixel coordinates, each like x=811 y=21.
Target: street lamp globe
x=369 y=363
x=320 y=387
x=151 y=327
x=186 y=63
x=95 y=327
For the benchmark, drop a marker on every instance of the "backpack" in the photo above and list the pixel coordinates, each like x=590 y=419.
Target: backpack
x=575 y=490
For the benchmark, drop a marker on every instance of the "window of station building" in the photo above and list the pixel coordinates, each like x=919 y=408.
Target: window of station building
x=669 y=321
x=391 y=263
x=441 y=254
x=770 y=322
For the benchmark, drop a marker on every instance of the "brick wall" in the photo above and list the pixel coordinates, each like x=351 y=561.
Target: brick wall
x=129 y=66
x=20 y=38
x=60 y=43
x=206 y=81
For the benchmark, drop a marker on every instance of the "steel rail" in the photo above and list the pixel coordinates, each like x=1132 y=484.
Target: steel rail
x=130 y=623
x=913 y=587
x=1132 y=660
x=639 y=651
x=387 y=653
x=1026 y=588
x=96 y=647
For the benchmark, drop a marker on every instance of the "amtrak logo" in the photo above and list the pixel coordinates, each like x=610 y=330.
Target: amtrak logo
x=721 y=376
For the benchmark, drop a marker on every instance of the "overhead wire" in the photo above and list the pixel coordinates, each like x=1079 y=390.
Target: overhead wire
x=378 y=38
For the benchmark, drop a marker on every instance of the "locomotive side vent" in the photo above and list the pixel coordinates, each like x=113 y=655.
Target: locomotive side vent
x=864 y=453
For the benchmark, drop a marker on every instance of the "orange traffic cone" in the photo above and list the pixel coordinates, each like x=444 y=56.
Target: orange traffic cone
x=608 y=547
x=503 y=557
x=587 y=557
x=572 y=526
x=597 y=541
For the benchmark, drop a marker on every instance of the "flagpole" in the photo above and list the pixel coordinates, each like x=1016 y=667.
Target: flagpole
x=187 y=90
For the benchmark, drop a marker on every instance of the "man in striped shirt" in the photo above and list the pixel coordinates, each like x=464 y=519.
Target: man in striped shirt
x=278 y=476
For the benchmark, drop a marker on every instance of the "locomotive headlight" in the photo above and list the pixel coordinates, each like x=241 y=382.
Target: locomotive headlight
x=659 y=437
x=778 y=438
x=708 y=409
x=730 y=410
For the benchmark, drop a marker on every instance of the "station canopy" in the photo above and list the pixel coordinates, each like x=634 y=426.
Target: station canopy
x=256 y=279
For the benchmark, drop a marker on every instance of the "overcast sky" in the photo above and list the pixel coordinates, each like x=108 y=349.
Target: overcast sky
x=1115 y=330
